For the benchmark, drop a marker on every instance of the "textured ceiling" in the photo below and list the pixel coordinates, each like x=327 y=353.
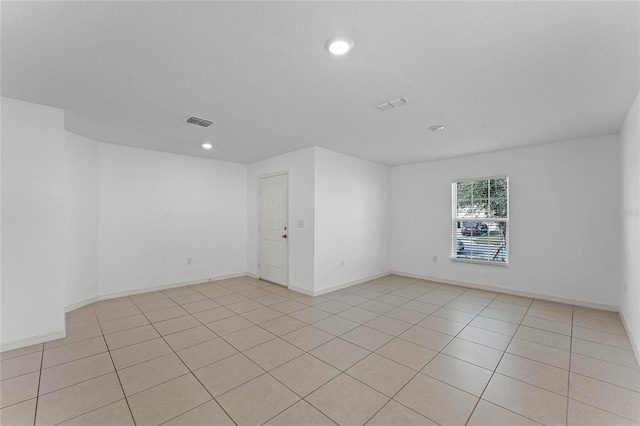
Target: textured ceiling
x=496 y=74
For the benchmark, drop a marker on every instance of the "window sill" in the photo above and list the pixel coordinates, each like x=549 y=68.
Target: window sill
x=481 y=262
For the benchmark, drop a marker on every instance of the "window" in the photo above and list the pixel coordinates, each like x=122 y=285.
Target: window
x=480 y=220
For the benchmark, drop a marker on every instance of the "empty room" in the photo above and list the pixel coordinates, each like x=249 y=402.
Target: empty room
x=320 y=213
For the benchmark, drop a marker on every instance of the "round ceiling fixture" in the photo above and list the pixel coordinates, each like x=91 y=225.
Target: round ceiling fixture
x=339 y=45
x=207 y=145
x=436 y=128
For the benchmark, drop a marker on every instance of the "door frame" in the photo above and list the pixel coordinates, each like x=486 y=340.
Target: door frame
x=259 y=222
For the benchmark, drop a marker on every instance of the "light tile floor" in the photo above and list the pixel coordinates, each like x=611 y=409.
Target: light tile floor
x=392 y=351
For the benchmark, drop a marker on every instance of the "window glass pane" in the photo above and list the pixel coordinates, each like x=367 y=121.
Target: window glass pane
x=475 y=236
x=482 y=241
x=499 y=199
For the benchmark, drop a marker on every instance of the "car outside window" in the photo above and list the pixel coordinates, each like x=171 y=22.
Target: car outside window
x=480 y=220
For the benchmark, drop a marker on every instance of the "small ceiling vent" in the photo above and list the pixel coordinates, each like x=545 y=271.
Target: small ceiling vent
x=199 y=121
x=391 y=104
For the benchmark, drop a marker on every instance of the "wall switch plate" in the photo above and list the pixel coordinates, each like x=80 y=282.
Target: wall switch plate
x=300 y=224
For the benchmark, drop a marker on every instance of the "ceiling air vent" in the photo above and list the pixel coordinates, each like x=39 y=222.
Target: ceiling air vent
x=391 y=104
x=199 y=121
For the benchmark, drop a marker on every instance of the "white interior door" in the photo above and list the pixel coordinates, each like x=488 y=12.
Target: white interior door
x=274 y=229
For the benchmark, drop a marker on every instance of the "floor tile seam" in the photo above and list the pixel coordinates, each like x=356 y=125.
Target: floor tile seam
x=95 y=409
x=24 y=374
x=184 y=329
x=449 y=384
x=289 y=406
x=19 y=402
x=602 y=409
x=603 y=344
x=118 y=376
x=499 y=319
x=224 y=340
x=196 y=407
x=509 y=410
x=378 y=315
x=390 y=359
x=183 y=363
x=545 y=329
x=160 y=309
x=438 y=352
x=257 y=323
x=536 y=360
x=81 y=358
x=493 y=331
x=71 y=327
x=119 y=318
x=408 y=408
x=236 y=386
x=540 y=343
x=35 y=412
x=393 y=399
x=601 y=331
x=570 y=359
x=77 y=383
x=335 y=338
x=569 y=323
x=135 y=343
x=533 y=385
x=155 y=386
x=155 y=356
x=637 y=368
x=498 y=364
x=18 y=356
x=359 y=381
x=311 y=405
x=608 y=383
x=75 y=341
x=486 y=345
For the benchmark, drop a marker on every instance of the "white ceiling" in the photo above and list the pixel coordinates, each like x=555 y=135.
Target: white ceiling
x=496 y=74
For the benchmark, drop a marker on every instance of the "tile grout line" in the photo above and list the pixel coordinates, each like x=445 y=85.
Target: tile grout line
x=498 y=365
x=570 y=358
x=420 y=371
x=35 y=412
x=378 y=315
x=117 y=375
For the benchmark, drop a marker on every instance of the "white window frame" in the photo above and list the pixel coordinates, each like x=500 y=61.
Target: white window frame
x=455 y=219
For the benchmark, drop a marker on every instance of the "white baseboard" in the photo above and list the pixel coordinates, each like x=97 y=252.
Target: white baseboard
x=345 y=285
x=512 y=292
x=80 y=304
x=635 y=344
x=168 y=286
x=301 y=290
x=32 y=340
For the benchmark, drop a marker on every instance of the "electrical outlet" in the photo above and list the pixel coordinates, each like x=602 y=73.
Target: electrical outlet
x=342 y=263
x=188 y=261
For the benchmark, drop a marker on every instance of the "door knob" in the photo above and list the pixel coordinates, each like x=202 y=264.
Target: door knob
x=284 y=236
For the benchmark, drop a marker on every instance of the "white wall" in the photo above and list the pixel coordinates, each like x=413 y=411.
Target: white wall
x=562 y=244
x=351 y=219
x=158 y=209
x=81 y=219
x=630 y=306
x=32 y=223
x=300 y=167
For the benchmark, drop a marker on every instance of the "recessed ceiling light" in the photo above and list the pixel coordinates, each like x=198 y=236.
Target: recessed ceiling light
x=339 y=45
x=207 y=145
x=436 y=128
